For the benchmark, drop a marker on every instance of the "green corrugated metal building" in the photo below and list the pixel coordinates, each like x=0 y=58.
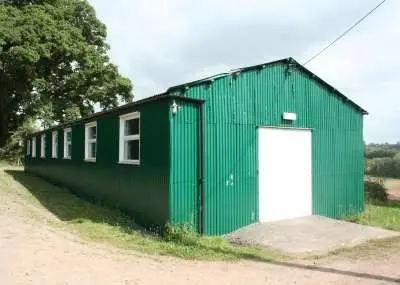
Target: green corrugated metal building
x=257 y=144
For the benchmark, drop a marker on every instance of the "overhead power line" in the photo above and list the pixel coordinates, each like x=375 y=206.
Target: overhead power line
x=345 y=32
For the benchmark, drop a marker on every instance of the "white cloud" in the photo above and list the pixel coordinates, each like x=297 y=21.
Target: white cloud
x=162 y=43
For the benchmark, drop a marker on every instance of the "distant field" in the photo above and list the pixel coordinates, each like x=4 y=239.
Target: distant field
x=393 y=186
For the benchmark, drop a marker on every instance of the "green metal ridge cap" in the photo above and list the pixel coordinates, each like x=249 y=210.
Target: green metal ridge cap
x=220 y=75
x=289 y=61
x=261 y=65
x=197 y=82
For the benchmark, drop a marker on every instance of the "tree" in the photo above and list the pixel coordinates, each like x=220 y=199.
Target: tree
x=383 y=167
x=53 y=63
x=13 y=151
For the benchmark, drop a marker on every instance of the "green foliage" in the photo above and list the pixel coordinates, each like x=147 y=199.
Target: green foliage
x=383 y=160
x=379 y=214
x=383 y=167
x=379 y=152
x=181 y=234
x=375 y=190
x=12 y=151
x=54 y=58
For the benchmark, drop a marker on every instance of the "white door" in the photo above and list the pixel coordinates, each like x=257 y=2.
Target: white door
x=285 y=181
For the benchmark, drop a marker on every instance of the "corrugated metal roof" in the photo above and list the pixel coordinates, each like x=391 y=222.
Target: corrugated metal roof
x=289 y=61
x=210 y=79
x=120 y=108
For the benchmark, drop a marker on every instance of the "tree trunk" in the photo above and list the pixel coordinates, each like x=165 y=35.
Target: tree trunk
x=4 y=117
x=3 y=127
x=3 y=110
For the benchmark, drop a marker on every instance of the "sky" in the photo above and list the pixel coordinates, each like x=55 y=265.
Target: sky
x=158 y=44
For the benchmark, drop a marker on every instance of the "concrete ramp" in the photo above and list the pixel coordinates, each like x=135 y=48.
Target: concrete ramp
x=308 y=234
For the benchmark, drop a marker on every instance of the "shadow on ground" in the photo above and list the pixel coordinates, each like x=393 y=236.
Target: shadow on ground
x=68 y=207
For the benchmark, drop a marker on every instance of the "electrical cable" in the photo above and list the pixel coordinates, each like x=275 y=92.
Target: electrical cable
x=345 y=32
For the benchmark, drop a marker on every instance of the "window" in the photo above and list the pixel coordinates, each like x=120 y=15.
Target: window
x=28 y=147
x=54 y=144
x=67 y=143
x=90 y=141
x=43 y=146
x=129 y=138
x=33 y=147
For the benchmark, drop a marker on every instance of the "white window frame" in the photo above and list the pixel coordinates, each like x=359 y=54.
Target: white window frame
x=43 y=146
x=89 y=141
x=34 y=147
x=66 y=131
x=123 y=138
x=54 y=144
x=28 y=147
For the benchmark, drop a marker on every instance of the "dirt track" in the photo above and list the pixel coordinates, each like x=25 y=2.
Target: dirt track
x=393 y=187
x=32 y=252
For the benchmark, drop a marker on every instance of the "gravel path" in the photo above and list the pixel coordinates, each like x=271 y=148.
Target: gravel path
x=32 y=252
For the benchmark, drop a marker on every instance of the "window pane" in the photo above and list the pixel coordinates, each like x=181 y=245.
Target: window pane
x=92 y=150
x=34 y=147
x=92 y=132
x=131 y=150
x=131 y=127
x=69 y=150
x=43 y=146
x=69 y=136
x=55 y=145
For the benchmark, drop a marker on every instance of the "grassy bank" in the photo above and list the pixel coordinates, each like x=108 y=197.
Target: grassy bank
x=379 y=214
x=382 y=214
x=106 y=225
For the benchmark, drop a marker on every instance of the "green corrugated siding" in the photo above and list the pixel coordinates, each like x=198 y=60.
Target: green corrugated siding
x=184 y=187
x=165 y=187
x=141 y=190
x=234 y=109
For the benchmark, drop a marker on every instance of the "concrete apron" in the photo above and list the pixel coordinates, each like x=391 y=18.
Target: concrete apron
x=313 y=234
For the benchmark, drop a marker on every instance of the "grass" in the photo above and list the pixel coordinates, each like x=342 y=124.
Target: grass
x=379 y=214
x=106 y=225
x=110 y=226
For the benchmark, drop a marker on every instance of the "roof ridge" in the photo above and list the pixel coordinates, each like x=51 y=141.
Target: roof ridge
x=289 y=60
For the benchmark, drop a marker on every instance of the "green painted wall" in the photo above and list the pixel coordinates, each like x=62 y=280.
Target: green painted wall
x=235 y=106
x=165 y=187
x=139 y=189
x=185 y=168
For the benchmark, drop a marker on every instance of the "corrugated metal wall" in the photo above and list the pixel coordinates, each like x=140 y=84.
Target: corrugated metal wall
x=139 y=189
x=184 y=196
x=235 y=106
x=165 y=187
